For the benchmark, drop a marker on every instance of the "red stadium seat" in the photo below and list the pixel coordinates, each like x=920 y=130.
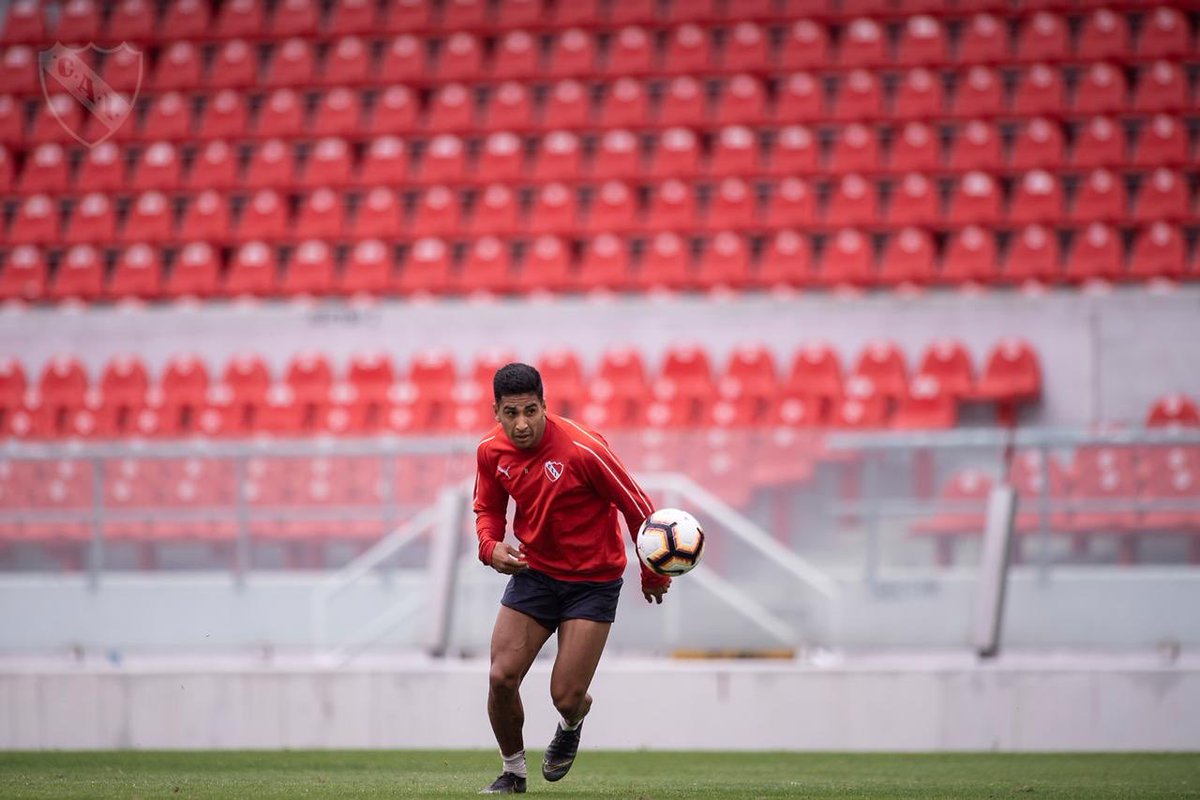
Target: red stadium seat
x=625 y=12
x=561 y=370
x=848 y=259
x=1037 y=197
x=724 y=262
x=855 y=150
x=497 y=211
x=1158 y=252
x=444 y=160
x=241 y=18
x=281 y=115
x=46 y=170
x=923 y=42
x=438 y=212
x=559 y=157
x=36 y=222
x=516 y=56
x=581 y=12
x=248 y=379
x=919 y=96
x=677 y=154
x=862 y=407
x=672 y=206
x=151 y=219
x=605 y=264
x=79 y=22
x=158 y=168
x=883 y=363
x=352 y=16
x=138 y=273
x=1100 y=144
x=252 y=271
x=1095 y=254
x=925 y=406
x=630 y=52
x=948 y=361
x=368 y=267
x=487 y=267
x=24 y=274
x=613 y=208
x=1102 y=90
x=1012 y=372
x=502 y=158
x=1101 y=196
x=732 y=205
x=310 y=270
x=94 y=219
x=508 y=107
x=234 y=65
x=554 y=210
x=124 y=382
x=859 y=97
x=916 y=149
x=206 y=217
x=1039 y=90
x=427 y=269
x=794 y=151
x=1104 y=35
x=19 y=70
x=1165 y=33
x=786 y=261
x=330 y=163
x=195 y=272
x=451 y=109
x=908 y=257
x=801 y=98
x=385 y=162
x=687 y=50
x=1161 y=195
x=971 y=256
x=1162 y=86
x=1173 y=410
x=24 y=23
x=974 y=200
x=338 y=113
x=568 y=106
x=805 y=46
x=460 y=14
x=80 y=275
x=572 y=54
x=185 y=383
x=1033 y=255
x=864 y=44
x=791 y=204
x=666 y=263
x=914 y=201
x=547 y=265
x=12 y=120
x=295 y=18
x=519 y=13
x=1043 y=37
x=624 y=104
x=180 y=66
x=265 y=216
x=405 y=59
x=854 y=202
x=63 y=383
x=976 y=147
x=321 y=215
x=1161 y=142
x=816 y=372
x=395 y=111
x=292 y=63
x=170 y=118
x=1038 y=145
x=213 y=167
x=747 y=48
x=984 y=40
x=348 y=61
x=225 y=116
x=742 y=100
x=271 y=165
x=980 y=93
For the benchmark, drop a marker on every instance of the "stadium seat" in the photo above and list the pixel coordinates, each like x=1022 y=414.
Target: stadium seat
x=572 y=54
x=916 y=149
x=724 y=262
x=225 y=116
x=35 y=222
x=487 y=267
x=1033 y=255
x=158 y=168
x=554 y=210
x=502 y=158
x=1173 y=409
x=1096 y=254
x=385 y=162
x=666 y=263
x=405 y=59
x=984 y=40
x=883 y=363
x=1102 y=90
x=508 y=107
x=624 y=104
x=1161 y=87
x=979 y=94
x=1038 y=145
x=795 y=150
x=330 y=163
x=1012 y=372
x=975 y=200
x=630 y=52
x=265 y=216
x=613 y=208
x=959 y=513
x=24 y=274
x=582 y=12
x=908 y=257
x=426 y=269
x=63 y=382
x=234 y=65
x=138 y=273
x=801 y=98
x=855 y=150
x=281 y=115
x=547 y=265
x=271 y=165
x=310 y=271
x=970 y=256
x=516 y=56
x=732 y=204
x=976 y=146
x=914 y=201
x=1163 y=141
x=80 y=275
x=497 y=211
x=444 y=160
x=213 y=167
x=687 y=50
x=1040 y=90
x=747 y=48
x=805 y=46
x=1043 y=37
x=1101 y=143
x=853 y=203
x=1037 y=198
x=861 y=407
x=46 y=170
x=206 y=217
x=195 y=272
x=568 y=106
x=742 y=100
x=18 y=70
x=292 y=63
x=321 y=215
x=12 y=121
x=922 y=42
x=252 y=271
x=676 y=155
x=559 y=157
x=859 y=96
x=786 y=261
x=368 y=266
x=925 y=406
x=464 y=14
x=947 y=360
x=1161 y=195
x=672 y=206
x=348 y=62
x=919 y=96
x=437 y=212
x=1104 y=35
x=791 y=204
x=352 y=17
x=863 y=44
x=563 y=375
x=93 y=220
x=1158 y=252
x=150 y=219
x=848 y=259
x=179 y=67
x=338 y=113
x=605 y=264
x=1164 y=33
x=1100 y=197
x=451 y=109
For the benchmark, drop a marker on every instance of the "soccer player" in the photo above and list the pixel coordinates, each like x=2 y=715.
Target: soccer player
x=566 y=571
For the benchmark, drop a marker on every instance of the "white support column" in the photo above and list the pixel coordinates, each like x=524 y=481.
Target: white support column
x=443 y=567
x=993 y=570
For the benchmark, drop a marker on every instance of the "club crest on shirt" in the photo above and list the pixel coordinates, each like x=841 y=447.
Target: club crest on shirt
x=554 y=470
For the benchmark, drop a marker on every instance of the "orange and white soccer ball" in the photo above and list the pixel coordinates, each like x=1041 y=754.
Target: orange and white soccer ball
x=670 y=542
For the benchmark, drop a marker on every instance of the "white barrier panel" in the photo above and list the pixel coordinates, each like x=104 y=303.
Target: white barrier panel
x=921 y=703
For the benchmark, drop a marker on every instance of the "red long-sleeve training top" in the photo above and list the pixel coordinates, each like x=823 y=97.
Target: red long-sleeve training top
x=568 y=491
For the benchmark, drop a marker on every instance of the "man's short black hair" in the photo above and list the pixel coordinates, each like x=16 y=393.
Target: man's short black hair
x=516 y=379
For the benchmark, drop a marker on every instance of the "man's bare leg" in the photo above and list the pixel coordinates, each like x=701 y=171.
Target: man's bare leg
x=580 y=645
x=516 y=641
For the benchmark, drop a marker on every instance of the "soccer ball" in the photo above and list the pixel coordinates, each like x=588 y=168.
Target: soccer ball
x=670 y=542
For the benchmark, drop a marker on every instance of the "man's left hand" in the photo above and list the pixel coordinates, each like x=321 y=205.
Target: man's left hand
x=654 y=594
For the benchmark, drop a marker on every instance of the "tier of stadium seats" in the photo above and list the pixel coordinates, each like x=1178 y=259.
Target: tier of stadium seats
x=879 y=389
x=1121 y=493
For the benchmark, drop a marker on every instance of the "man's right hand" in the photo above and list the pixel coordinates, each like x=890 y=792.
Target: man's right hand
x=507 y=560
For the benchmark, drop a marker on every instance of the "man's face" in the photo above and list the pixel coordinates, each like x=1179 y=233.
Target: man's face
x=523 y=417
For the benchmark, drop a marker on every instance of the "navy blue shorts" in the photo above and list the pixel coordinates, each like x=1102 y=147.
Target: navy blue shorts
x=550 y=601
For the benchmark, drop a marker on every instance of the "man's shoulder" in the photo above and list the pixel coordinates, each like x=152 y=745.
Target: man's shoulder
x=491 y=440
x=579 y=435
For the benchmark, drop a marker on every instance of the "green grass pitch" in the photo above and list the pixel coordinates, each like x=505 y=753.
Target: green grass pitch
x=636 y=775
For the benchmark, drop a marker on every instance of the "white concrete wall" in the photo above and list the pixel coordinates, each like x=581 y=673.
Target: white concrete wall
x=919 y=704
